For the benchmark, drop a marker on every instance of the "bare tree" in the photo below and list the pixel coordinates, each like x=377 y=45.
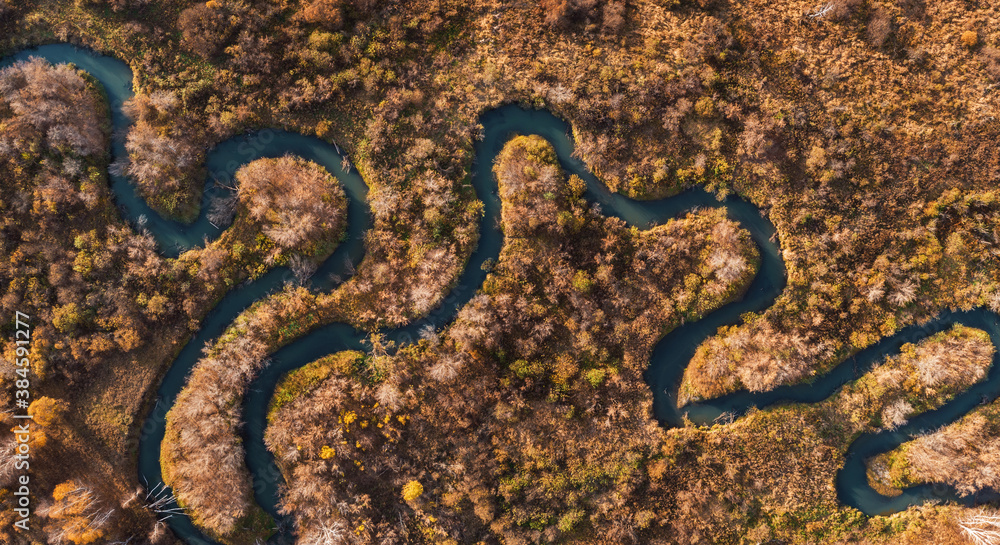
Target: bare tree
x=982 y=528
x=301 y=267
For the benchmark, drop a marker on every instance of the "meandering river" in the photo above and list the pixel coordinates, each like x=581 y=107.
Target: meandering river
x=669 y=358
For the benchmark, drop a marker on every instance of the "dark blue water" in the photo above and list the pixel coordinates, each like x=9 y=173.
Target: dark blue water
x=669 y=358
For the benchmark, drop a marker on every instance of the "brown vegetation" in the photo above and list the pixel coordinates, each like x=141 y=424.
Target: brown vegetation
x=205 y=27
x=77 y=515
x=301 y=208
x=51 y=105
x=203 y=437
x=94 y=291
x=920 y=378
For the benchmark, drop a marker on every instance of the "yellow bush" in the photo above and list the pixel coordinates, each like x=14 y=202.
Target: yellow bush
x=62 y=490
x=970 y=38
x=412 y=490
x=46 y=410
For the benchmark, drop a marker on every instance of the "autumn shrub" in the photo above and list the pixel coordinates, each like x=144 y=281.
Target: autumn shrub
x=970 y=38
x=843 y=9
x=412 y=490
x=880 y=27
x=562 y=13
x=46 y=411
x=556 y=11
x=991 y=61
